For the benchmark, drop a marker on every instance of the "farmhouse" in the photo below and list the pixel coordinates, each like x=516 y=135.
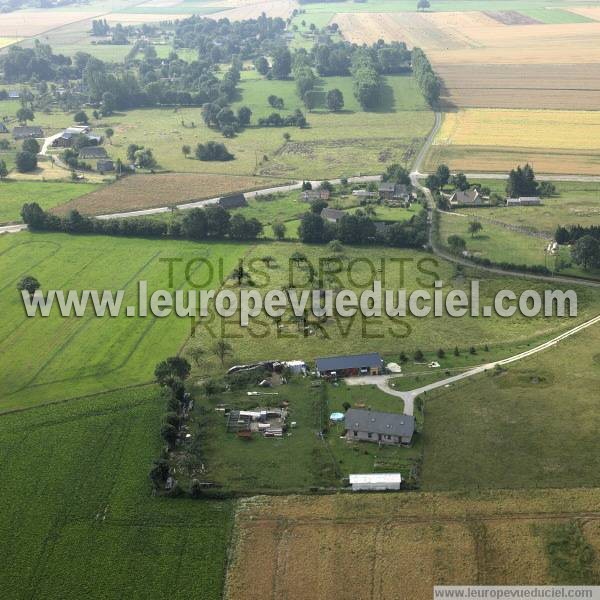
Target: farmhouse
x=23 y=132
x=523 y=201
x=394 y=191
x=332 y=215
x=350 y=365
x=375 y=482
x=233 y=201
x=470 y=197
x=92 y=152
x=312 y=195
x=379 y=427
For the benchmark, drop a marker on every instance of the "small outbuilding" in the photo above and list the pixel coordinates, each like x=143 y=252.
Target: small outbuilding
x=22 y=132
x=375 y=482
x=90 y=152
x=523 y=201
x=332 y=215
x=233 y=201
x=350 y=365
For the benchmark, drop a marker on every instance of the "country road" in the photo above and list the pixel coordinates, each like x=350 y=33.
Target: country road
x=382 y=381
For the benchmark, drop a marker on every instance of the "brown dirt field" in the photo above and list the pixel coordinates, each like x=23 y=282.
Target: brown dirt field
x=552 y=86
x=33 y=22
x=388 y=546
x=511 y=17
x=486 y=159
x=166 y=189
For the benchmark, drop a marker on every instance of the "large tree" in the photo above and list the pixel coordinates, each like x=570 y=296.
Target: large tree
x=26 y=162
x=29 y=284
x=335 y=100
x=521 y=182
x=282 y=63
x=171 y=369
x=586 y=252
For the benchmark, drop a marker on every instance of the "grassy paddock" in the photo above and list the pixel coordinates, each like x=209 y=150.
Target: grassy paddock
x=531 y=426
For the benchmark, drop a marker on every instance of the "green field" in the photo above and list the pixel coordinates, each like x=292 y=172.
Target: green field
x=534 y=425
x=13 y=194
x=46 y=359
x=78 y=518
x=263 y=339
x=346 y=143
x=554 y=15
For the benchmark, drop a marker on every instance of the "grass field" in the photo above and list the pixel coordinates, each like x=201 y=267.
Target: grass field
x=383 y=334
x=13 y=194
x=347 y=545
x=531 y=426
x=55 y=358
x=78 y=518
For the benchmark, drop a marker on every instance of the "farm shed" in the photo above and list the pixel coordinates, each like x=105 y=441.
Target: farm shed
x=312 y=195
x=394 y=191
x=350 y=365
x=105 y=165
x=379 y=427
x=466 y=197
x=233 y=201
x=332 y=215
x=92 y=152
x=375 y=482
x=24 y=132
x=523 y=201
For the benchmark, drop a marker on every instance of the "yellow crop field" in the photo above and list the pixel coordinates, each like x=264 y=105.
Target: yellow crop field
x=560 y=129
x=347 y=546
x=7 y=41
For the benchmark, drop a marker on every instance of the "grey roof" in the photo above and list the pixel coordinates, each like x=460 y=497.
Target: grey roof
x=332 y=213
x=233 y=201
x=105 y=164
x=466 y=196
x=353 y=361
x=92 y=152
x=387 y=186
x=373 y=421
x=23 y=131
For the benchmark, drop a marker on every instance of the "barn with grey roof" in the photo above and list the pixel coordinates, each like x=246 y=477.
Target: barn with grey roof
x=378 y=427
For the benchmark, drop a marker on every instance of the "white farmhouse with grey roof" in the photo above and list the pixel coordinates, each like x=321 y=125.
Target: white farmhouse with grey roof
x=378 y=427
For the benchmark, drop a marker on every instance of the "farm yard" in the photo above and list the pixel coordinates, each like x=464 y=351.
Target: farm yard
x=423 y=538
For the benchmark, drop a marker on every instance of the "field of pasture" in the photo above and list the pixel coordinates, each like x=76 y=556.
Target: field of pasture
x=54 y=358
x=354 y=270
x=485 y=538
x=506 y=425
x=79 y=520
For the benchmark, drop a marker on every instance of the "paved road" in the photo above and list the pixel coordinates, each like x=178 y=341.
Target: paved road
x=382 y=381
x=13 y=228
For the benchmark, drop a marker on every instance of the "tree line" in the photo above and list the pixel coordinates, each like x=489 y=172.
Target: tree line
x=427 y=80
x=211 y=222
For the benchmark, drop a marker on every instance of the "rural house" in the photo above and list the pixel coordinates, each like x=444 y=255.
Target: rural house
x=394 y=191
x=233 y=201
x=90 y=152
x=470 y=197
x=523 y=201
x=378 y=427
x=350 y=365
x=22 y=132
x=332 y=215
x=312 y=195
x=364 y=194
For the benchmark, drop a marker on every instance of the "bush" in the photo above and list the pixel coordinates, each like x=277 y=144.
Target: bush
x=26 y=162
x=213 y=151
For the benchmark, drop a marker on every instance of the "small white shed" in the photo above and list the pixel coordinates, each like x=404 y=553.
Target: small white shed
x=375 y=481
